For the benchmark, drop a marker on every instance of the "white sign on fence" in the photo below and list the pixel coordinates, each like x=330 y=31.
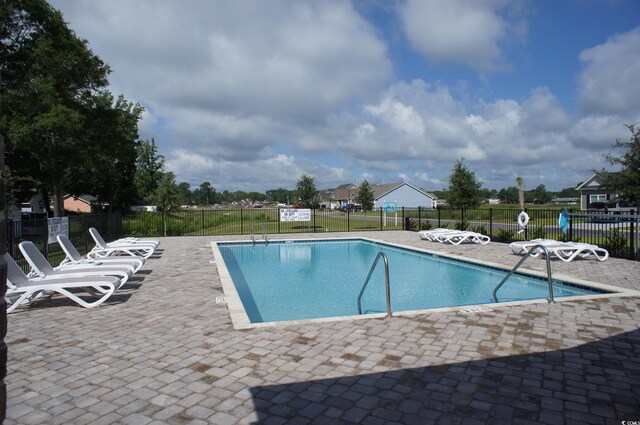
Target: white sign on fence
x=295 y=214
x=58 y=226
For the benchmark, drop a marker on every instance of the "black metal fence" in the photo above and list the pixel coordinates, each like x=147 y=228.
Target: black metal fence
x=260 y=220
x=109 y=225
x=618 y=233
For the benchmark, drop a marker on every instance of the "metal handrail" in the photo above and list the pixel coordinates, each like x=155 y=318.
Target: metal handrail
x=264 y=232
x=531 y=251
x=386 y=278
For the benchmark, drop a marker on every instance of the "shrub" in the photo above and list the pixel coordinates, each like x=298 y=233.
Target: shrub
x=536 y=232
x=615 y=242
x=461 y=225
x=479 y=229
x=426 y=225
x=505 y=235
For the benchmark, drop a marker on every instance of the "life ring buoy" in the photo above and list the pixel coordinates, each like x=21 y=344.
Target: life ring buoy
x=523 y=219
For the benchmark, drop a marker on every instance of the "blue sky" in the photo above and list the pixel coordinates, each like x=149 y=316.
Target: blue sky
x=251 y=95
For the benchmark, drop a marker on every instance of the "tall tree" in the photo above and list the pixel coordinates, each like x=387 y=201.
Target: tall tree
x=307 y=192
x=149 y=166
x=520 y=182
x=184 y=193
x=626 y=182
x=464 y=187
x=49 y=80
x=166 y=196
x=365 y=196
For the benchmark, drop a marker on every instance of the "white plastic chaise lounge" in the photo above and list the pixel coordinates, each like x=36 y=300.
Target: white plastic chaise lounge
x=454 y=237
x=104 y=249
x=134 y=240
x=522 y=247
x=100 y=287
x=430 y=235
x=40 y=266
x=458 y=237
x=75 y=258
x=564 y=251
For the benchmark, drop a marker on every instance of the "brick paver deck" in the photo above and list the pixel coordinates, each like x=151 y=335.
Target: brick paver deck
x=163 y=351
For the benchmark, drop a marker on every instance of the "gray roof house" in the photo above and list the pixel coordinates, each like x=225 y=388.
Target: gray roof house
x=594 y=189
x=404 y=194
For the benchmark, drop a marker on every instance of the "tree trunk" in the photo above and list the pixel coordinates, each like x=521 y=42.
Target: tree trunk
x=58 y=204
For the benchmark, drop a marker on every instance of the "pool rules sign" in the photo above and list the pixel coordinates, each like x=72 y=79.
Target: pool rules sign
x=295 y=214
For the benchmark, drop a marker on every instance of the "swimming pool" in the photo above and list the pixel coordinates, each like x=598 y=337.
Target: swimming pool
x=298 y=280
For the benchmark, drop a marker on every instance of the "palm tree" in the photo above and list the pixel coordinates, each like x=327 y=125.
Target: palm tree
x=520 y=192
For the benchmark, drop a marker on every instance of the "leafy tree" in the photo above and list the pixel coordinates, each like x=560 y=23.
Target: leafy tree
x=626 y=182
x=166 y=196
x=184 y=193
x=307 y=193
x=149 y=166
x=109 y=166
x=568 y=192
x=280 y=195
x=49 y=80
x=509 y=195
x=207 y=194
x=541 y=195
x=464 y=187
x=365 y=196
x=64 y=132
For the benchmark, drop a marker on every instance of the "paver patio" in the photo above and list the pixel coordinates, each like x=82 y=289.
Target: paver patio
x=163 y=351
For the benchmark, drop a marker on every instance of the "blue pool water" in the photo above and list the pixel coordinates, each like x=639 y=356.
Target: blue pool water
x=312 y=279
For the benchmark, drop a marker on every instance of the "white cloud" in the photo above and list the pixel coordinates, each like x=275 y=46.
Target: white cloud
x=609 y=82
x=459 y=31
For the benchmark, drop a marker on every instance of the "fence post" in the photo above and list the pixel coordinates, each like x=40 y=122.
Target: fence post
x=419 y=219
x=632 y=236
x=491 y=222
x=202 y=214
x=525 y=229
x=439 y=225
x=241 y=222
x=278 y=218
x=403 y=216
x=85 y=232
x=314 y=220
x=571 y=226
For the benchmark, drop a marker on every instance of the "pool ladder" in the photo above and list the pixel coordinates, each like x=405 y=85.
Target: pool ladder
x=386 y=282
x=531 y=251
x=264 y=233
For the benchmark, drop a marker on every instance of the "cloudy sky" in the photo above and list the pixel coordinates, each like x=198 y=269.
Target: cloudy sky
x=250 y=95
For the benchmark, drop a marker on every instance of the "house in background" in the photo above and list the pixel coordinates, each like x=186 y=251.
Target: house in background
x=594 y=190
x=594 y=194
x=404 y=194
x=81 y=204
x=344 y=194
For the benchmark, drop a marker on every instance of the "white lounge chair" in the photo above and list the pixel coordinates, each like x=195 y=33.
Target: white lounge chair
x=522 y=247
x=454 y=237
x=430 y=235
x=581 y=250
x=564 y=251
x=100 y=287
x=133 y=240
x=75 y=258
x=104 y=249
x=40 y=266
